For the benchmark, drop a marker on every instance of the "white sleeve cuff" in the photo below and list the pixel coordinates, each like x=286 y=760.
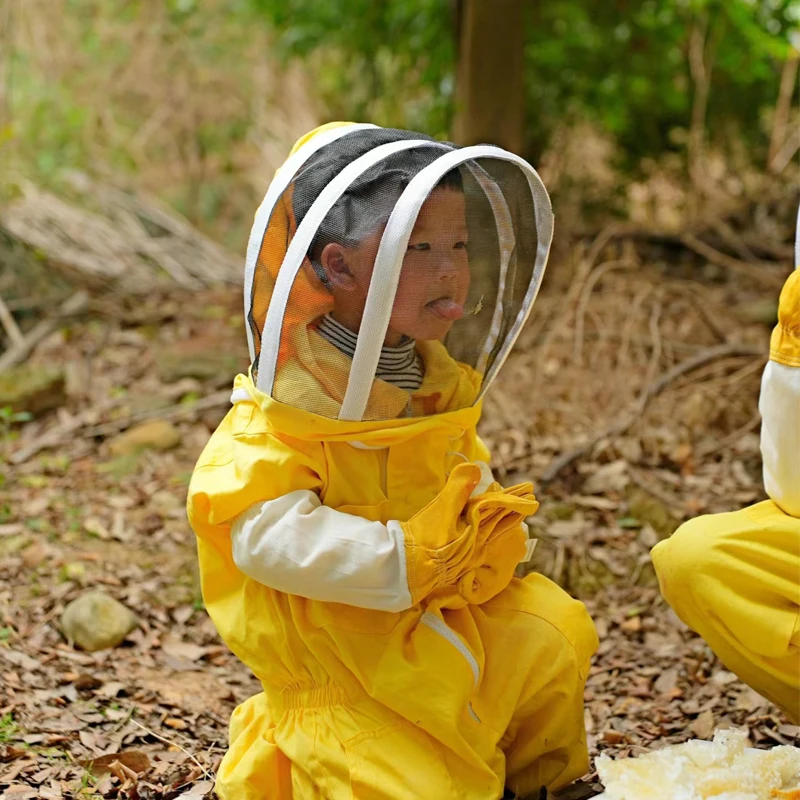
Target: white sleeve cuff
x=487 y=478
x=296 y=545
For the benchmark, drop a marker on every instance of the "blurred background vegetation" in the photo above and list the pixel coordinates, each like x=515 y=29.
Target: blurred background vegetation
x=632 y=108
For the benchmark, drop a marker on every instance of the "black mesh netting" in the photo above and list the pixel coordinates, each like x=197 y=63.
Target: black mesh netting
x=461 y=288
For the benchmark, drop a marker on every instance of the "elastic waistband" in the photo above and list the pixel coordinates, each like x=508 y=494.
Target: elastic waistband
x=306 y=696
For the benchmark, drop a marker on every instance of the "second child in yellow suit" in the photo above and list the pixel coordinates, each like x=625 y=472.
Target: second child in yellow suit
x=735 y=578
x=363 y=568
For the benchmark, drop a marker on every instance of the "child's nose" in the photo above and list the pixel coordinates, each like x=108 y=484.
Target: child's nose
x=448 y=266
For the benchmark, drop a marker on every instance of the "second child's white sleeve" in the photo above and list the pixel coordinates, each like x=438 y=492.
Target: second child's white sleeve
x=780 y=404
x=780 y=435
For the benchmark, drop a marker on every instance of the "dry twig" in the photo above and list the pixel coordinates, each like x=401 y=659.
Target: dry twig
x=752 y=271
x=60 y=434
x=583 y=302
x=10 y=325
x=15 y=354
x=731 y=438
x=174 y=744
x=621 y=424
x=176 y=411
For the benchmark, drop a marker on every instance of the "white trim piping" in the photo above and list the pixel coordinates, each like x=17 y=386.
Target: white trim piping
x=276 y=188
x=443 y=629
x=507 y=243
x=239 y=396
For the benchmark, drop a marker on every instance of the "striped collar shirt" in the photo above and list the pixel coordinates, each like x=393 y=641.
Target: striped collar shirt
x=401 y=366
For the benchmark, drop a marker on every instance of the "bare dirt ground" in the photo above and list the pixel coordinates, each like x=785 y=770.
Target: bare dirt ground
x=649 y=379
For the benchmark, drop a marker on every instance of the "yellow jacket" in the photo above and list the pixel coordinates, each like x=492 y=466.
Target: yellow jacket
x=378 y=472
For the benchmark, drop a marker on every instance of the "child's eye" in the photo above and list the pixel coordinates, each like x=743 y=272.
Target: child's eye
x=461 y=245
x=419 y=246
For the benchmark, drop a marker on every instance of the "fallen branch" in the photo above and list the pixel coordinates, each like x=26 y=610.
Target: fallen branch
x=10 y=325
x=753 y=271
x=731 y=438
x=77 y=426
x=754 y=242
x=17 y=353
x=51 y=438
x=170 y=412
x=621 y=424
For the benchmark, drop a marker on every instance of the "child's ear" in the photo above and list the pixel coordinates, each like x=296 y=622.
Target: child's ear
x=334 y=261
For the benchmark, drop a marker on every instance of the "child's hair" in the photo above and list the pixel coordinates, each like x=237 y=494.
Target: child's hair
x=365 y=206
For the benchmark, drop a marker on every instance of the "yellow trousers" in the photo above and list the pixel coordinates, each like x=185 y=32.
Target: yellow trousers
x=735 y=579
x=401 y=716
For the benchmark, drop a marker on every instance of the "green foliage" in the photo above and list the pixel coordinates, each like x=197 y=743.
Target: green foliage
x=626 y=66
x=8 y=729
x=622 y=65
x=159 y=93
x=389 y=61
x=9 y=418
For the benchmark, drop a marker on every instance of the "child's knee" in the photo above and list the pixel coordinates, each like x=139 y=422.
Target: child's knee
x=683 y=561
x=558 y=614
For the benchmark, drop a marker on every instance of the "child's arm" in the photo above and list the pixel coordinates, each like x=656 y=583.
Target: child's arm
x=295 y=544
x=298 y=546
x=780 y=404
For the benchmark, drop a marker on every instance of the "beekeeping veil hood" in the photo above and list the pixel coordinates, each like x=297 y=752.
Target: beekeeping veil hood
x=398 y=238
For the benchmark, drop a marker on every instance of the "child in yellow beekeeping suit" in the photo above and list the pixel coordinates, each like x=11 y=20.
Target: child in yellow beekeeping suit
x=355 y=551
x=735 y=578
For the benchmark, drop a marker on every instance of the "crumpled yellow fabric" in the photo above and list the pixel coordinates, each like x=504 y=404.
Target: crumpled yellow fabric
x=498 y=542
x=735 y=579
x=467 y=547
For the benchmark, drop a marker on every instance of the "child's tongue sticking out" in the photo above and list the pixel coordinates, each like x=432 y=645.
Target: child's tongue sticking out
x=446 y=308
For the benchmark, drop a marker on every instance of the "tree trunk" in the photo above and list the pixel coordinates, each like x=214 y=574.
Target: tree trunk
x=490 y=85
x=783 y=108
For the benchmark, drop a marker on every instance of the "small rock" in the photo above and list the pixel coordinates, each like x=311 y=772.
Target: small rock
x=632 y=625
x=32 y=388
x=34 y=554
x=157 y=434
x=95 y=621
x=73 y=571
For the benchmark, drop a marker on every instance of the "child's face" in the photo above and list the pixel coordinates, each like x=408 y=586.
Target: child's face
x=434 y=282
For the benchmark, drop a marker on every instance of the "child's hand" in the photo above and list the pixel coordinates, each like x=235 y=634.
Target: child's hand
x=496 y=510
x=455 y=536
x=502 y=541
x=437 y=542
